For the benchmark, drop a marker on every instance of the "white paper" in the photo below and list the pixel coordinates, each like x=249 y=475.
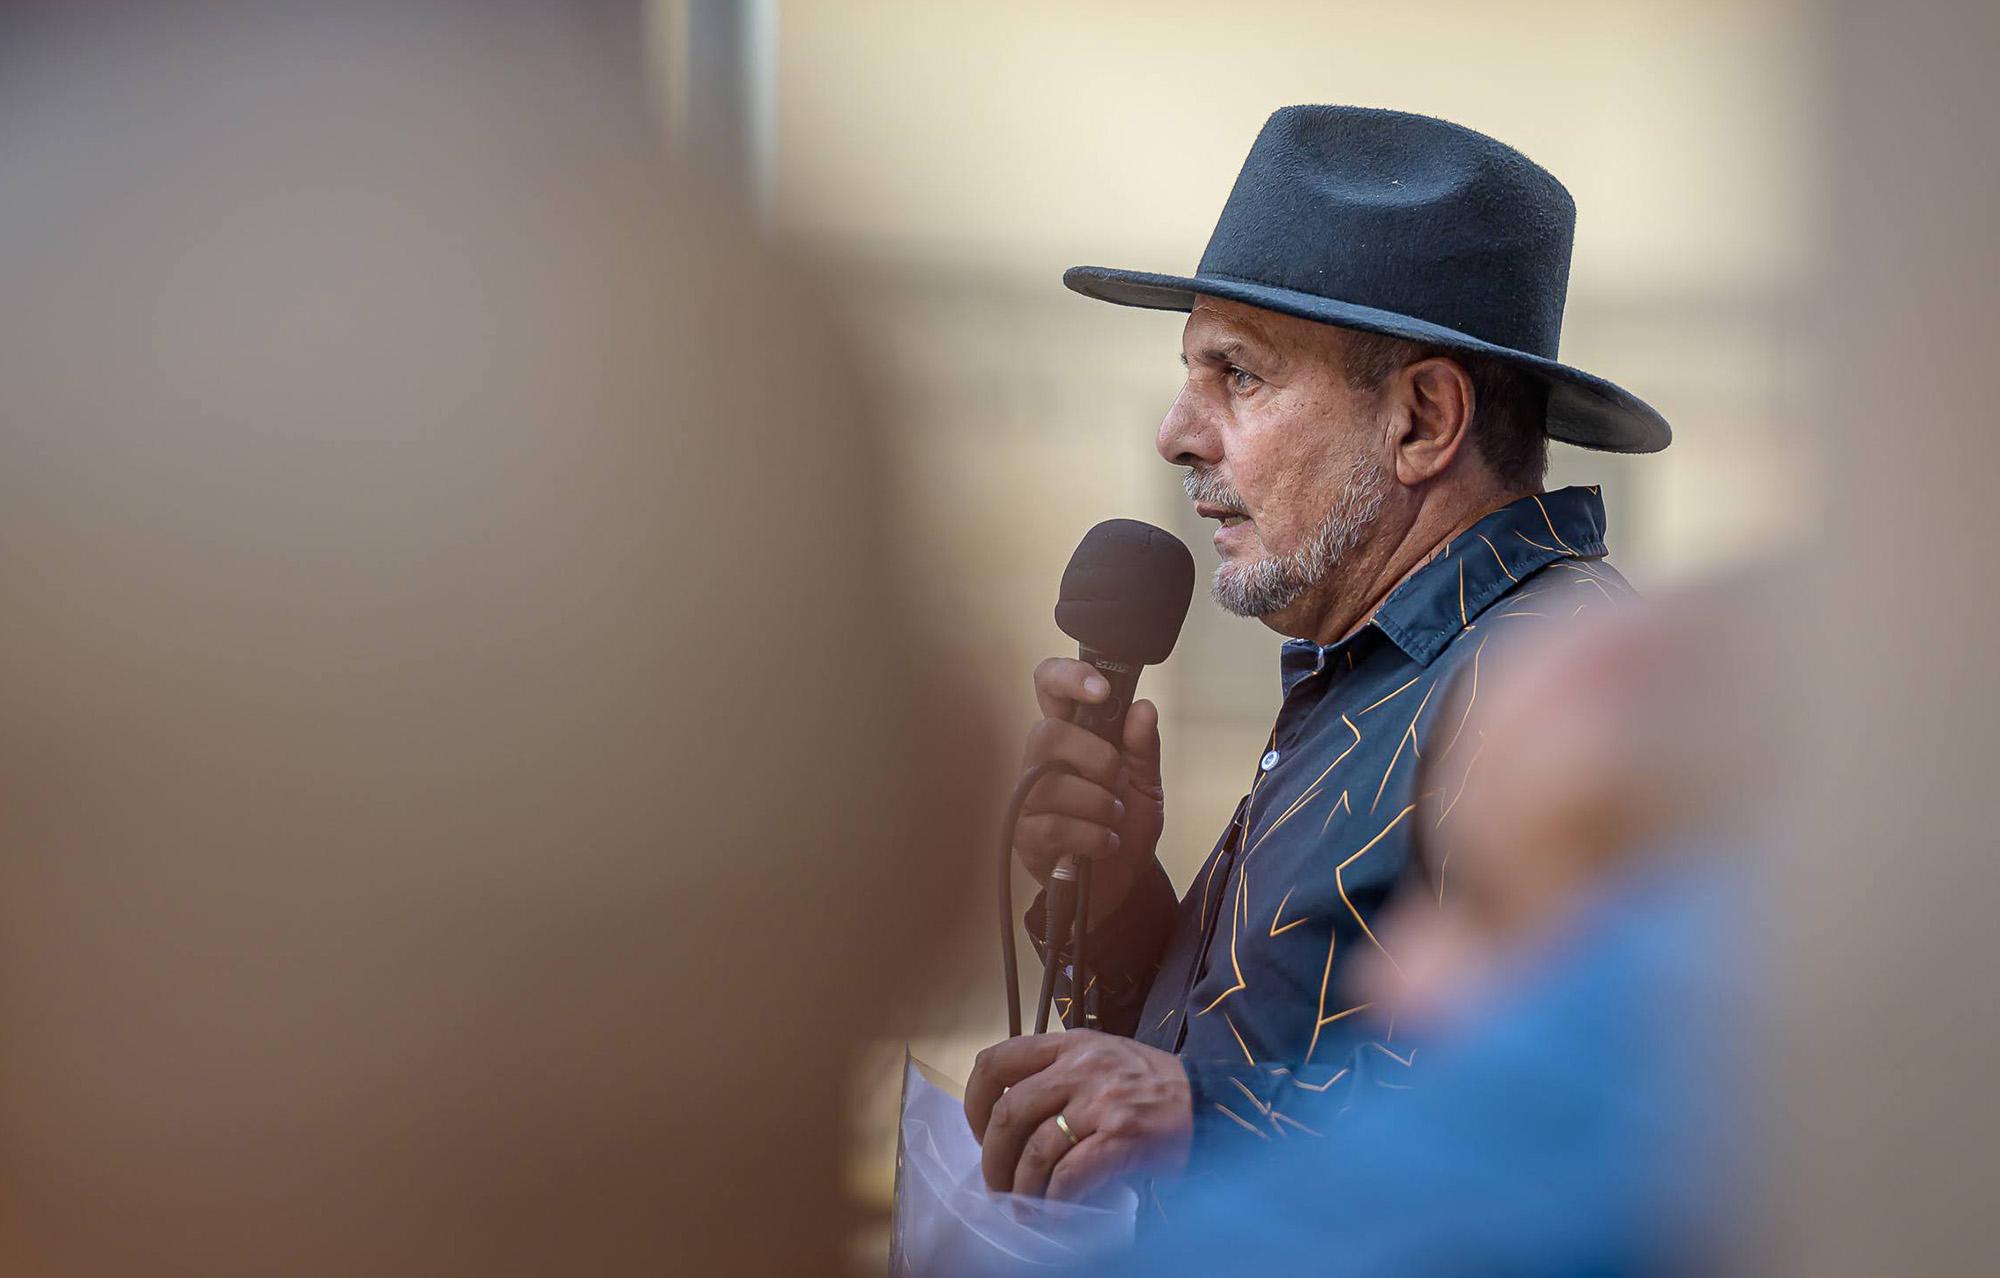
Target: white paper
x=948 y=1223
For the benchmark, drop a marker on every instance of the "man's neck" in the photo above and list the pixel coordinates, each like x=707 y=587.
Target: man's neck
x=1380 y=575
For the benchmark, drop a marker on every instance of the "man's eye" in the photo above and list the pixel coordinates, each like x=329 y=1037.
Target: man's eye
x=1241 y=379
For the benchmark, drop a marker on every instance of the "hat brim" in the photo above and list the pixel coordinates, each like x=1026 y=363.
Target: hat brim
x=1583 y=409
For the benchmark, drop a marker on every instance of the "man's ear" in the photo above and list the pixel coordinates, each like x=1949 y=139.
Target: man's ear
x=1432 y=418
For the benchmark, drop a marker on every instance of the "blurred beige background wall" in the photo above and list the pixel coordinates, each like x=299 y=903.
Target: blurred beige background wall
x=948 y=161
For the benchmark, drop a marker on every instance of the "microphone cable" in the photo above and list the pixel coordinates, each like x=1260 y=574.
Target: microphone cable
x=1063 y=915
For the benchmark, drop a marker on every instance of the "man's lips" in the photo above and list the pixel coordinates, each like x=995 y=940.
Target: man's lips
x=1230 y=518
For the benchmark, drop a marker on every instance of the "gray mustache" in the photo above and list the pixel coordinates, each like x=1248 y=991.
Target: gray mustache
x=1208 y=486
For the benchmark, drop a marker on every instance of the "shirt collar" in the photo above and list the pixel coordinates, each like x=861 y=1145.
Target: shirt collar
x=1478 y=566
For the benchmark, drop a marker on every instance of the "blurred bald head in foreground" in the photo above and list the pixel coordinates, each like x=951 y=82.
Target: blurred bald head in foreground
x=1647 y=741
x=452 y=686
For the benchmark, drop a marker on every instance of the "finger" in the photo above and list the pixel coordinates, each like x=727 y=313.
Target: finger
x=1054 y=740
x=1048 y=838
x=1028 y=1104
x=1076 y=797
x=1063 y=683
x=1045 y=1148
x=1096 y=1161
x=1142 y=746
x=1001 y=1066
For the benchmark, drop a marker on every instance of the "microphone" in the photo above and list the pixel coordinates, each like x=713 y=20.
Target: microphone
x=1124 y=597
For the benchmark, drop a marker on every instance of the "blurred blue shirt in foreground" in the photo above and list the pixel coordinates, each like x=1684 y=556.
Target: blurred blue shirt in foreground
x=1581 y=1122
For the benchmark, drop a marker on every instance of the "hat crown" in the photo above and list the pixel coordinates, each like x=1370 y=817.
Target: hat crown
x=1401 y=213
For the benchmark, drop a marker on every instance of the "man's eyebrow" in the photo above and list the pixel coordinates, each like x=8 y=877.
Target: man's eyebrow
x=1226 y=351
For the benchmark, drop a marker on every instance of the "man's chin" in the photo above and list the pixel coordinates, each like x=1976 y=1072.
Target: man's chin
x=1236 y=592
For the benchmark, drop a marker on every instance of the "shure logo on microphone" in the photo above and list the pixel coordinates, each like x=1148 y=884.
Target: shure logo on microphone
x=1116 y=667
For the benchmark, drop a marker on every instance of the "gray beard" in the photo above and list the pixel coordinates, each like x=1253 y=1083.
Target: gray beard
x=1275 y=583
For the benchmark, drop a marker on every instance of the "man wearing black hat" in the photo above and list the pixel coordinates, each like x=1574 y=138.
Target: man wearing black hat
x=1372 y=381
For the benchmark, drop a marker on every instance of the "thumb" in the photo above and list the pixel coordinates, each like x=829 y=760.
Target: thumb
x=1142 y=746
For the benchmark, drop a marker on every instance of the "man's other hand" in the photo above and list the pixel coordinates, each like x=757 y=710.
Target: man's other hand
x=1128 y=1107
x=1111 y=812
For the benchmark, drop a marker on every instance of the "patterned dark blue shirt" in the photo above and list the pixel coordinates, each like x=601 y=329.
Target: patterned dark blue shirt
x=1242 y=976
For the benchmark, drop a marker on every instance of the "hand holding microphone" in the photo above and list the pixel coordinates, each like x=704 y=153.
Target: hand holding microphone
x=1090 y=788
x=1111 y=812
x=1124 y=596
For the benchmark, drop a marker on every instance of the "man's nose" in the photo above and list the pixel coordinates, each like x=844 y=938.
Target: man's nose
x=1188 y=436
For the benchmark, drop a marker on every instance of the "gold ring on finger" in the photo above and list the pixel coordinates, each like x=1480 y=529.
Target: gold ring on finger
x=1062 y=1124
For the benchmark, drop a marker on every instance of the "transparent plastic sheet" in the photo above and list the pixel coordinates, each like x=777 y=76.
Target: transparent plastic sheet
x=948 y=1223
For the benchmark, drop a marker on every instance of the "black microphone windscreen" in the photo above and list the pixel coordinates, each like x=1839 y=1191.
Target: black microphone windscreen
x=1126 y=591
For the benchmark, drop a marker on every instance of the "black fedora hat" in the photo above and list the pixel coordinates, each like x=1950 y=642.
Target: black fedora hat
x=1408 y=226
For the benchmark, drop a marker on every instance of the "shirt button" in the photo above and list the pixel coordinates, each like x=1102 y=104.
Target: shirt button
x=1270 y=761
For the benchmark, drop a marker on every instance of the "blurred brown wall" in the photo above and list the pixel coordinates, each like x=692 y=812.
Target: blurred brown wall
x=455 y=690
